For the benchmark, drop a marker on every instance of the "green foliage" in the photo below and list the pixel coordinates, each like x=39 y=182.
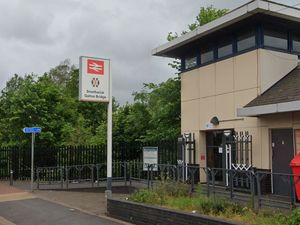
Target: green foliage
x=145 y=196
x=205 y=15
x=177 y=196
x=294 y=218
x=51 y=101
x=172 y=189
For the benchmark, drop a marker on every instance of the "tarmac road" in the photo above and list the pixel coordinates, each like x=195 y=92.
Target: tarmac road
x=36 y=211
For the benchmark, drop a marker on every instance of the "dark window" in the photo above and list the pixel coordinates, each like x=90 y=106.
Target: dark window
x=296 y=43
x=225 y=50
x=275 y=39
x=190 y=62
x=207 y=56
x=246 y=40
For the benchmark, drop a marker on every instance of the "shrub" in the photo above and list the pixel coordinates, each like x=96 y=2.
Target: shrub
x=294 y=217
x=172 y=189
x=146 y=196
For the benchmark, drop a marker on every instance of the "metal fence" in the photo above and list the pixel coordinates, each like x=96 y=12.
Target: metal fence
x=245 y=187
x=18 y=159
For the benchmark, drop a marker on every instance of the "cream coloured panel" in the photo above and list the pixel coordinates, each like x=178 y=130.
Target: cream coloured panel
x=224 y=76
x=273 y=66
x=207 y=80
x=265 y=146
x=296 y=117
x=225 y=107
x=190 y=85
x=190 y=115
x=242 y=98
x=245 y=71
x=207 y=111
x=280 y=120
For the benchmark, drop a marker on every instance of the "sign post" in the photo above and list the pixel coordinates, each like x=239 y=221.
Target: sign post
x=32 y=131
x=95 y=85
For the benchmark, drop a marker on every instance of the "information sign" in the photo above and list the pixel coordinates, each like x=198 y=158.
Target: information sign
x=150 y=156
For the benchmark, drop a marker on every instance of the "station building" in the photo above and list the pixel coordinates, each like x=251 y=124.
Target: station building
x=241 y=73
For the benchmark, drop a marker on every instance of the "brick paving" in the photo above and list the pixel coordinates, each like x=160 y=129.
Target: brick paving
x=5 y=188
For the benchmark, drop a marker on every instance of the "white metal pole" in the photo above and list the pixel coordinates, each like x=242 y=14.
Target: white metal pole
x=109 y=137
x=32 y=160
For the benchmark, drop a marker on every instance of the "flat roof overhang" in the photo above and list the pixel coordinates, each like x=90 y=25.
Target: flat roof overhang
x=256 y=111
x=254 y=7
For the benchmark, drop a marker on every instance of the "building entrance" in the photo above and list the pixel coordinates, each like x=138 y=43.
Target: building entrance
x=215 y=151
x=282 y=154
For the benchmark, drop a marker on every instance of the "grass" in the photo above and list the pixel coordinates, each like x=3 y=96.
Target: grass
x=177 y=196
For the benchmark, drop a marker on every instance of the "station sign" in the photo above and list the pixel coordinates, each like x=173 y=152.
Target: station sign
x=94 y=77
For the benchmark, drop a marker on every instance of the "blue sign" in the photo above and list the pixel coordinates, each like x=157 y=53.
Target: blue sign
x=30 y=130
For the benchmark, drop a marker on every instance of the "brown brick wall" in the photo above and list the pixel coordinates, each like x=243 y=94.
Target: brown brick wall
x=140 y=214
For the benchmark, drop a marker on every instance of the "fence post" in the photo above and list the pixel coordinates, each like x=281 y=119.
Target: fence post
x=97 y=174
x=151 y=175
x=38 y=178
x=293 y=200
x=252 y=174
x=207 y=181
x=11 y=177
x=125 y=173
x=67 y=177
x=258 y=190
x=130 y=173
x=148 y=176
x=192 y=173
x=231 y=183
x=92 y=174
x=61 y=178
x=213 y=181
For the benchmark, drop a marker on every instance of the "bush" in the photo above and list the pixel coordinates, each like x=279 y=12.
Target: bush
x=146 y=196
x=294 y=217
x=172 y=189
x=217 y=206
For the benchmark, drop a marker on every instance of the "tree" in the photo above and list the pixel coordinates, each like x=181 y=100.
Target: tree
x=51 y=101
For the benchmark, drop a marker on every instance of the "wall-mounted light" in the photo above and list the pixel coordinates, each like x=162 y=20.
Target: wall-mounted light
x=215 y=121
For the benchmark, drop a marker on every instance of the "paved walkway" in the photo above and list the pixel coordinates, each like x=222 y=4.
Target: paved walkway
x=86 y=206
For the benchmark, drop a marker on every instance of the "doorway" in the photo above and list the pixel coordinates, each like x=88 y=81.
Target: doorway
x=215 y=152
x=282 y=153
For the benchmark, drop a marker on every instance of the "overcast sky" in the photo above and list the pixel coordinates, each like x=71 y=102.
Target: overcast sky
x=36 y=35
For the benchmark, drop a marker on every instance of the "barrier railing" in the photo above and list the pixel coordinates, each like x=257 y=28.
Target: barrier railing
x=243 y=186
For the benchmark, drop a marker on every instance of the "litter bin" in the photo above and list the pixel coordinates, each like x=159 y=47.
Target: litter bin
x=295 y=165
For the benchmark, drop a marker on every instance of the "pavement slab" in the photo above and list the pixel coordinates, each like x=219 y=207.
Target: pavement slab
x=39 y=211
x=80 y=206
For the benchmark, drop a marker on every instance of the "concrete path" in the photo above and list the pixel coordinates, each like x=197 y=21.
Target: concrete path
x=38 y=211
x=18 y=206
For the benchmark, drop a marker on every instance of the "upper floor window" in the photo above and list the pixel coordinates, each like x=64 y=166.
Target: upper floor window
x=225 y=50
x=246 y=40
x=296 y=43
x=275 y=39
x=207 y=56
x=190 y=62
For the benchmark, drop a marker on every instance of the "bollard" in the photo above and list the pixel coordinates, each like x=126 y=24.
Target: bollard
x=11 y=177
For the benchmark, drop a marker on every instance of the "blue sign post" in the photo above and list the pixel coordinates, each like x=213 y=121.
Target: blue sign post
x=32 y=131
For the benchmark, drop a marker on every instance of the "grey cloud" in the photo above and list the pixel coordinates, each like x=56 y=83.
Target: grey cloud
x=36 y=35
